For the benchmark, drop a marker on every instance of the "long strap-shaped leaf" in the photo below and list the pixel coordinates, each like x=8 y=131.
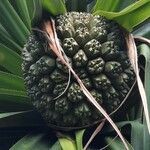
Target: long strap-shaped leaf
x=115 y=144
x=145 y=52
x=31 y=8
x=37 y=11
x=132 y=53
x=10 y=81
x=13 y=100
x=129 y=17
x=79 y=139
x=113 y=5
x=55 y=7
x=32 y=141
x=12 y=22
x=55 y=46
x=137 y=134
x=67 y=144
x=12 y=92
x=6 y=39
x=21 y=8
x=10 y=60
x=5 y=115
x=143 y=30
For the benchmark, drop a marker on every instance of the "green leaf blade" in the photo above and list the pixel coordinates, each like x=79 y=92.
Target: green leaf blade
x=8 y=114
x=31 y=8
x=21 y=8
x=67 y=143
x=37 y=11
x=22 y=119
x=55 y=7
x=11 y=81
x=10 y=92
x=145 y=51
x=143 y=30
x=79 y=139
x=129 y=17
x=110 y=6
x=56 y=146
x=31 y=142
x=116 y=144
x=14 y=100
x=137 y=135
x=6 y=39
x=10 y=60
x=12 y=23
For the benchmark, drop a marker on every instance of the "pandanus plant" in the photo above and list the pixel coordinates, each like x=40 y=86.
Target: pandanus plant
x=68 y=66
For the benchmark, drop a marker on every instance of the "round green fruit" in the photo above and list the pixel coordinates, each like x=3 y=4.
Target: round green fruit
x=96 y=50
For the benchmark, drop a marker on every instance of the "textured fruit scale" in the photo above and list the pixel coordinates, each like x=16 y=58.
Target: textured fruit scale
x=96 y=50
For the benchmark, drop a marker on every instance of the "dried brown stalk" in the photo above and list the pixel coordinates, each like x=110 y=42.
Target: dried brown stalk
x=132 y=53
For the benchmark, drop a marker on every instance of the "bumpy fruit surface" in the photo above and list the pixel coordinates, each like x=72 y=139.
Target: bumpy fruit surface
x=96 y=50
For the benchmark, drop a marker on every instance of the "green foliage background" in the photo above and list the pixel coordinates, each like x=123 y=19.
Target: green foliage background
x=21 y=127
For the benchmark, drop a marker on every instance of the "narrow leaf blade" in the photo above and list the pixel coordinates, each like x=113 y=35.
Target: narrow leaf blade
x=21 y=8
x=131 y=16
x=6 y=39
x=112 y=6
x=32 y=141
x=10 y=60
x=145 y=51
x=79 y=139
x=67 y=143
x=55 y=7
x=12 y=23
x=5 y=115
x=116 y=143
x=104 y=5
x=11 y=81
x=22 y=119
